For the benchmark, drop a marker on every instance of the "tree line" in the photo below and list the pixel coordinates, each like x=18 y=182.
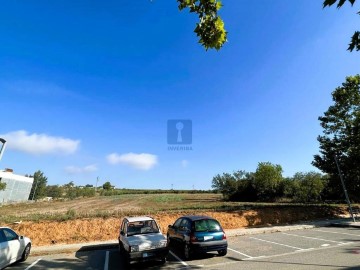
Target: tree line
x=267 y=184
x=40 y=189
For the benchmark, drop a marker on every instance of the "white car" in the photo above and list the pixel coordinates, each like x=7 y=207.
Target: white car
x=140 y=239
x=13 y=247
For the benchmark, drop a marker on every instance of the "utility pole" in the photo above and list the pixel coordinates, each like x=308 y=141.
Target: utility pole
x=97 y=180
x=345 y=191
x=2 y=149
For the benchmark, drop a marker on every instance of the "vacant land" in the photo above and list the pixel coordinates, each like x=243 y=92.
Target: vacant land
x=94 y=219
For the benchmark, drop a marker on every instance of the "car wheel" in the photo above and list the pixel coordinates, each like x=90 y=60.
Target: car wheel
x=187 y=252
x=222 y=252
x=26 y=253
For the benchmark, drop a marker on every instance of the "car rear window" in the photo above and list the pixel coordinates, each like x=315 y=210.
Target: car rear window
x=207 y=225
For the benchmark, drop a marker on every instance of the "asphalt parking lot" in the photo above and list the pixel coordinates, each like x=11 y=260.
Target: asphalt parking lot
x=318 y=248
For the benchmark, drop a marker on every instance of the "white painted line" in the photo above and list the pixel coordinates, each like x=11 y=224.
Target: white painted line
x=106 y=265
x=338 y=233
x=314 y=238
x=275 y=243
x=297 y=252
x=176 y=257
x=233 y=250
x=31 y=265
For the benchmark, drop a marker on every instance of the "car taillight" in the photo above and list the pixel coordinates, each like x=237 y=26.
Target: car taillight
x=193 y=238
x=224 y=235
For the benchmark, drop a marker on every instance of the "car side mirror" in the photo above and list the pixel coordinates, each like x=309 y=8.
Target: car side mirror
x=122 y=233
x=20 y=237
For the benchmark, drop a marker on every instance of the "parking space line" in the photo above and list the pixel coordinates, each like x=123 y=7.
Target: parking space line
x=297 y=252
x=177 y=258
x=338 y=233
x=314 y=238
x=31 y=265
x=233 y=250
x=106 y=265
x=275 y=243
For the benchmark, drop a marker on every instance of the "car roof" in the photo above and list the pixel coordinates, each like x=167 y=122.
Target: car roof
x=140 y=218
x=197 y=217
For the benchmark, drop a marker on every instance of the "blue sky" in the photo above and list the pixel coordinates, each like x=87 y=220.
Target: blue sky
x=87 y=88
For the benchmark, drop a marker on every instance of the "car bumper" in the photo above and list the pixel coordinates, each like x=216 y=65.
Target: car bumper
x=147 y=255
x=208 y=246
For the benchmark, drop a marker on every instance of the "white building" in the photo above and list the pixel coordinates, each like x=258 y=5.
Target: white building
x=17 y=188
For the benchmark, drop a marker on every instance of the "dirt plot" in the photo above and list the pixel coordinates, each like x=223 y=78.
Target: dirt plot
x=98 y=218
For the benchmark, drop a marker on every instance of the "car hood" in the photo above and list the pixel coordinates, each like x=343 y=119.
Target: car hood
x=146 y=240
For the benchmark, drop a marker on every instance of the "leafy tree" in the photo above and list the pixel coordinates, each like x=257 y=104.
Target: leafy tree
x=237 y=186
x=54 y=191
x=309 y=185
x=38 y=189
x=289 y=187
x=107 y=186
x=267 y=180
x=355 y=40
x=88 y=192
x=341 y=138
x=210 y=29
x=70 y=190
x=225 y=184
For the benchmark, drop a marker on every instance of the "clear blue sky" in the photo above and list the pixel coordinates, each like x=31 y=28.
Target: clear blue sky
x=87 y=88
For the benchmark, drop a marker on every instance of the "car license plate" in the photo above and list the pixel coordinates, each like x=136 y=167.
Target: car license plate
x=208 y=238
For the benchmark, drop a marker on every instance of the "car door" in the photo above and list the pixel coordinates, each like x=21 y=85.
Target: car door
x=123 y=233
x=14 y=244
x=174 y=232
x=184 y=230
x=4 y=250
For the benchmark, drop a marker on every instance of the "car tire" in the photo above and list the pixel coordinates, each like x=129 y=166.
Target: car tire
x=187 y=255
x=26 y=253
x=222 y=252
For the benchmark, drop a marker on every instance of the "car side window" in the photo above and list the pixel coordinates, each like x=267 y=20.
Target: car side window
x=2 y=237
x=185 y=224
x=10 y=235
x=177 y=223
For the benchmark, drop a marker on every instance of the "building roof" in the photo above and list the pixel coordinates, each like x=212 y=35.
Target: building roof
x=10 y=175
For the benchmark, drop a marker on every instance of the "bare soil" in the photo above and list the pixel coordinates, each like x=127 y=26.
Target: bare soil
x=101 y=229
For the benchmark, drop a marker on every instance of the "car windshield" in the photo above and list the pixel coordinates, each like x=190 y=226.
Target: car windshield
x=142 y=227
x=207 y=225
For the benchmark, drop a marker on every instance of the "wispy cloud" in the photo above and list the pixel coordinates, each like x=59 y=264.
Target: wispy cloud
x=79 y=170
x=141 y=161
x=39 y=144
x=184 y=163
